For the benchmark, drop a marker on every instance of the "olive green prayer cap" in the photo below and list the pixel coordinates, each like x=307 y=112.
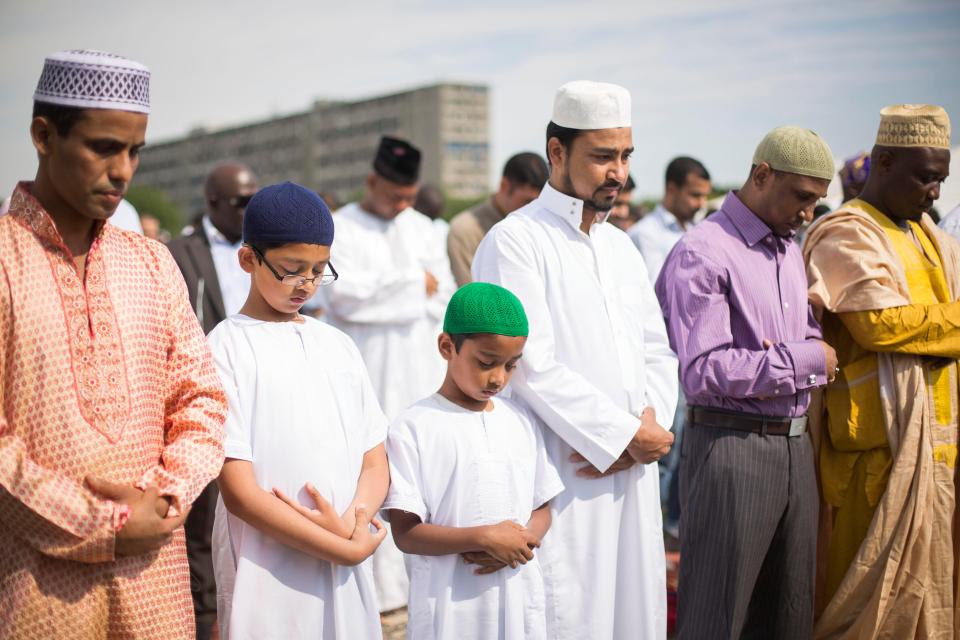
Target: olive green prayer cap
x=481 y=307
x=796 y=150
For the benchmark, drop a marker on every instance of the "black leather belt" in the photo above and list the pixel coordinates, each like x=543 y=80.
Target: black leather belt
x=741 y=421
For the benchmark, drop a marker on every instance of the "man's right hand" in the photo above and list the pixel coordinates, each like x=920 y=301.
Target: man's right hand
x=831 y=357
x=145 y=531
x=431 y=283
x=651 y=442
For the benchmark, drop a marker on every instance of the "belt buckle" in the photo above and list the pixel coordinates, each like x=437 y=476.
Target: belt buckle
x=798 y=426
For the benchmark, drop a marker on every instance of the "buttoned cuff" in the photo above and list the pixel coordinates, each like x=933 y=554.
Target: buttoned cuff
x=809 y=363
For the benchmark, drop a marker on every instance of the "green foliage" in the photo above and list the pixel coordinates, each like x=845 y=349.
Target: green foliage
x=157 y=204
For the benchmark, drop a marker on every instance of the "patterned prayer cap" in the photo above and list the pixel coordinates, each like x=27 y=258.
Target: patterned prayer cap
x=796 y=150
x=914 y=125
x=87 y=79
x=397 y=160
x=481 y=307
x=287 y=213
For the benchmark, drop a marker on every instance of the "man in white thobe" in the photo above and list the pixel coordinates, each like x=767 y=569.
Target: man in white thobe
x=597 y=369
x=393 y=289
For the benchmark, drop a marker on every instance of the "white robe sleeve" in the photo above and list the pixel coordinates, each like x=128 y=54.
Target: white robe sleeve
x=576 y=410
x=238 y=437
x=438 y=263
x=546 y=483
x=374 y=421
x=660 y=363
x=406 y=483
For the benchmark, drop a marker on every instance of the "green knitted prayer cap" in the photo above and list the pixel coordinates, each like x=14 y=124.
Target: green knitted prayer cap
x=481 y=307
x=796 y=150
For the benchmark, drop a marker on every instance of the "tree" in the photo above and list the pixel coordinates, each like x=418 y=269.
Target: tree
x=157 y=204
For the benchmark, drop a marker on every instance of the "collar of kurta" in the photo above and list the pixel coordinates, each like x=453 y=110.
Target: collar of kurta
x=27 y=210
x=752 y=229
x=565 y=207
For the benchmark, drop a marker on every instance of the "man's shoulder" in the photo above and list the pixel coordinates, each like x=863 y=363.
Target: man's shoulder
x=468 y=220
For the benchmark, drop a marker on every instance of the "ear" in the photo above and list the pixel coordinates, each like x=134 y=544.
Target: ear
x=505 y=186
x=247 y=258
x=762 y=176
x=371 y=181
x=557 y=152
x=42 y=134
x=884 y=161
x=446 y=346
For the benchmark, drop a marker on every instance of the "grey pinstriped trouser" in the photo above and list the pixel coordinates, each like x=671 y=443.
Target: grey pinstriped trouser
x=748 y=535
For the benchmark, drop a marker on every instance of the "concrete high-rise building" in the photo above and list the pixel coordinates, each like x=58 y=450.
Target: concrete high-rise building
x=331 y=146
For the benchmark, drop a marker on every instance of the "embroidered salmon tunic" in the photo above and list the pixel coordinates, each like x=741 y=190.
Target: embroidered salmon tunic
x=109 y=376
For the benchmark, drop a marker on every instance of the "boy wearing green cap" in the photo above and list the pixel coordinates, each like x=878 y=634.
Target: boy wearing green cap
x=471 y=481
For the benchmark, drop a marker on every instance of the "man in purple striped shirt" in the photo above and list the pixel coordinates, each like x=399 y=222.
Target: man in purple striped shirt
x=734 y=294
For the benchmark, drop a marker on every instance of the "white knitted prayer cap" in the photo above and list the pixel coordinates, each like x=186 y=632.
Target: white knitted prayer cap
x=584 y=104
x=88 y=79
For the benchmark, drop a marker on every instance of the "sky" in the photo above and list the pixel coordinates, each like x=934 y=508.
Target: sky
x=708 y=79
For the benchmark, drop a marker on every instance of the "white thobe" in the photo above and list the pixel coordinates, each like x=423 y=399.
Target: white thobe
x=380 y=301
x=454 y=467
x=301 y=409
x=597 y=355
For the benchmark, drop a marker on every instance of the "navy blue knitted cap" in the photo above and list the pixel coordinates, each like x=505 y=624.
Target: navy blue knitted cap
x=287 y=213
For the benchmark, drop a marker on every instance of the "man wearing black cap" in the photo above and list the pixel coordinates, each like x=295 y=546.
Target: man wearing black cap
x=394 y=286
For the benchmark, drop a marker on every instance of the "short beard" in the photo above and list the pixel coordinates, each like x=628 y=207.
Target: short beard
x=592 y=203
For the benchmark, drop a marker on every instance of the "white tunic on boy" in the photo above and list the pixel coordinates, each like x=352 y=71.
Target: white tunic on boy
x=459 y=468
x=597 y=355
x=301 y=409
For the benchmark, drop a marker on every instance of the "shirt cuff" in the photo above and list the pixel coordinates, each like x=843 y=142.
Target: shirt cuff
x=408 y=503
x=809 y=364
x=237 y=450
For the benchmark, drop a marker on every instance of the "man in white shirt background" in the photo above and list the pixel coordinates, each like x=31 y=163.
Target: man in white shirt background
x=596 y=369
x=684 y=200
x=685 y=196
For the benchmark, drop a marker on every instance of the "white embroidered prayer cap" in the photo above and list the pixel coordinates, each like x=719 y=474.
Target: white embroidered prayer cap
x=584 y=104
x=89 y=79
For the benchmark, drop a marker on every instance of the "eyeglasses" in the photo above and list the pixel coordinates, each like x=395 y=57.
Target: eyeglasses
x=328 y=276
x=238 y=202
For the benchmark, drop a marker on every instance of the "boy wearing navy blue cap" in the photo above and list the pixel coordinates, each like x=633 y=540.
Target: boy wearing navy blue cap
x=304 y=442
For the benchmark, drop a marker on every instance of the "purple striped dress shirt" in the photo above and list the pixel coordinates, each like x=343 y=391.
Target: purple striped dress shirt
x=726 y=286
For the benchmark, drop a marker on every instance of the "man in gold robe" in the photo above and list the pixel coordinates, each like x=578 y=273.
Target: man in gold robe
x=886 y=281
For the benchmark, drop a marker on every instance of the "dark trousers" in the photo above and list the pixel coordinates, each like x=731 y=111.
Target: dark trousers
x=199 y=530
x=748 y=535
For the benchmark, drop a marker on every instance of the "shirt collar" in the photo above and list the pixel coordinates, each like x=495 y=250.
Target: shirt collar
x=667 y=219
x=565 y=207
x=752 y=229
x=27 y=210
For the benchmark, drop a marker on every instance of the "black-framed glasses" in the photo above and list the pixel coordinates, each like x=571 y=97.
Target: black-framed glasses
x=328 y=276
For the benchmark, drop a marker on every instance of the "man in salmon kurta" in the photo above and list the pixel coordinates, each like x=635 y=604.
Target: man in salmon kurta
x=111 y=413
x=886 y=281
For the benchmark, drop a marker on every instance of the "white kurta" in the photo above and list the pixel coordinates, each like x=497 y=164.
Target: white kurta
x=596 y=357
x=301 y=410
x=381 y=302
x=459 y=468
